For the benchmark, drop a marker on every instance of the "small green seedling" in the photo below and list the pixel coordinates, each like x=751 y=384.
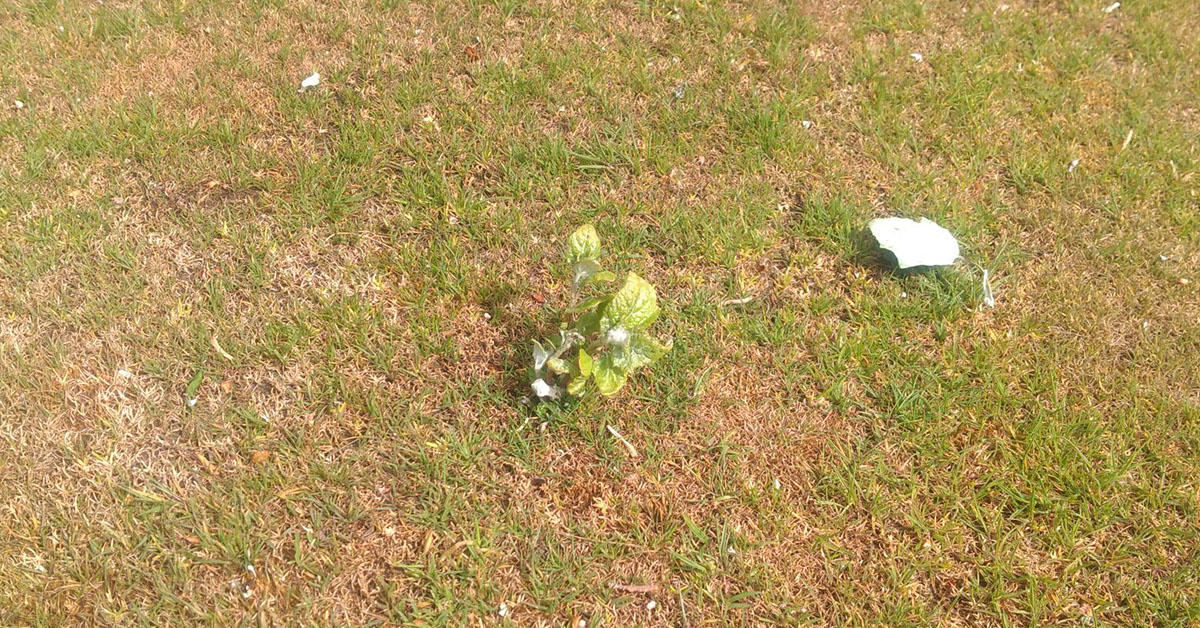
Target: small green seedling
x=608 y=340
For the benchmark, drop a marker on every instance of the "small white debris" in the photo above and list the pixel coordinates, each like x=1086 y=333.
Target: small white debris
x=581 y=623
x=123 y=373
x=453 y=220
x=1072 y=166
x=1183 y=281
x=730 y=550
x=918 y=57
x=1145 y=324
x=310 y=81
x=915 y=243
x=487 y=316
x=60 y=28
x=806 y=124
x=191 y=403
x=1003 y=8
x=427 y=119
x=18 y=104
x=562 y=108
x=247 y=592
x=651 y=605
x=775 y=484
x=503 y=611
x=903 y=295
x=250 y=568
x=1162 y=258
x=1112 y=7
x=617 y=336
x=544 y=390
x=419 y=31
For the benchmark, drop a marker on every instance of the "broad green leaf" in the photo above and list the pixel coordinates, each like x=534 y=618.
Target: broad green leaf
x=609 y=377
x=634 y=306
x=584 y=244
x=589 y=322
x=558 y=365
x=585 y=362
x=578 y=386
x=641 y=350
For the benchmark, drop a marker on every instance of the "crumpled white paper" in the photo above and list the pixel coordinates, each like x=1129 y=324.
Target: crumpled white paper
x=915 y=242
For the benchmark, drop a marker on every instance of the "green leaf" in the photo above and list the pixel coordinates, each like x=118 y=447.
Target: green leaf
x=558 y=365
x=604 y=275
x=609 y=377
x=193 y=387
x=585 y=362
x=589 y=322
x=578 y=386
x=641 y=350
x=590 y=304
x=584 y=244
x=634 y=306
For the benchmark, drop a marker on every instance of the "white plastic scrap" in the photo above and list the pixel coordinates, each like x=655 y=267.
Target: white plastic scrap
x=1112 y=7
x=310 y=81
x=918 y=57
x=544 y=390
x=1072 y=166
x=915 y=242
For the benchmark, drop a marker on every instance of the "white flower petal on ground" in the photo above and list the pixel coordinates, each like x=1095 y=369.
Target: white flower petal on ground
x=310 y=81
x=915 y=243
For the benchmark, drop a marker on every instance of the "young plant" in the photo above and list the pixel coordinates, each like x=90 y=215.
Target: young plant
x=607 y=340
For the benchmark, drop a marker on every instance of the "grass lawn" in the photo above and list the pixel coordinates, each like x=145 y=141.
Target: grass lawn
x=347 y=281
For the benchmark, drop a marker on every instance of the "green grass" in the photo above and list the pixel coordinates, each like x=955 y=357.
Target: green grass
x=853 y=446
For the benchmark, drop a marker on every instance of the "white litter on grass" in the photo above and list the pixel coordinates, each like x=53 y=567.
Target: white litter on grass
x=503 y=611
x=916 y=56
x=915 y=243
x=651 y=605
x=544 y=390
x=1112 y=7
x=806 y=124
x=310 y=81
x=18 y=104
x=1072 y=166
